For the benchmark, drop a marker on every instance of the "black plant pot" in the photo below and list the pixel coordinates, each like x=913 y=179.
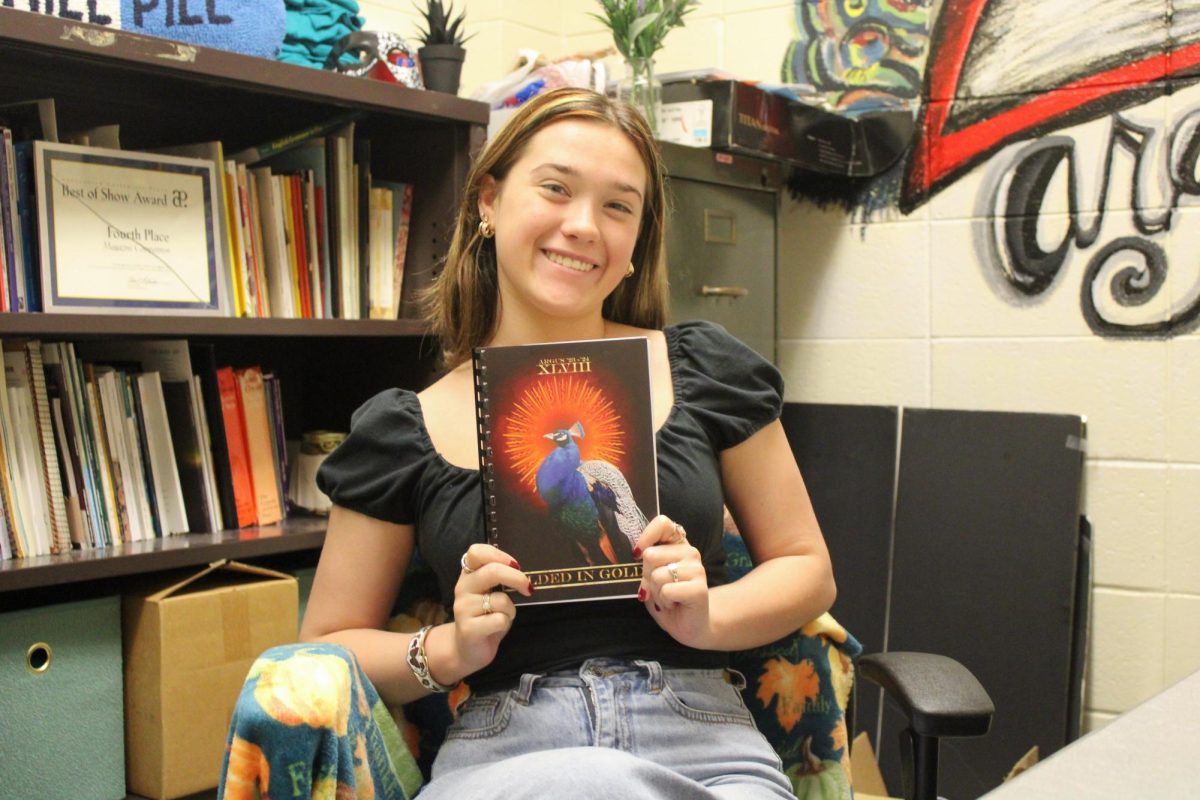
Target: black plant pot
x=441 y=66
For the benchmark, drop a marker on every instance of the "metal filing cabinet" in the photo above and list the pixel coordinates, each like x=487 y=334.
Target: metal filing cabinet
x=722 y=243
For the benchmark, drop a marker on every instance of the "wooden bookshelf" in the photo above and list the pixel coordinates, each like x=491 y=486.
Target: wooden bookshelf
x=96 y=326
x=295 y=534
x=164 y=93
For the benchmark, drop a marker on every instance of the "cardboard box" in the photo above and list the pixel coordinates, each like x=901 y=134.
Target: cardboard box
x=60 y=702
x=188 y=647
x=864 y=771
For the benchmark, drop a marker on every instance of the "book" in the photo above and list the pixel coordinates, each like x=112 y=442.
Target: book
x=253 y=393
x=213 y=151
x=204 y=364
x=168 y=492
x=279 y=452
x=111 y=458
x=16 y=272
x=256 y=293
x=24 y=451
x=10 y=222
x=235 y=441
x=310 y=160
x=26 y=293
x=277 y=269
x=31 y=119
x=341 y=219
x=51 y=475
x=97 y=136
x=14 y=522
x=215 y=516
x=567 y=462
x=362 y=223
x=252 y=155
x=172 y=360
x=64 y=379
x=402 y=199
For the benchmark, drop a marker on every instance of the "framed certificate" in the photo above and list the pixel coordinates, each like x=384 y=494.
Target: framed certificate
x=128 y=232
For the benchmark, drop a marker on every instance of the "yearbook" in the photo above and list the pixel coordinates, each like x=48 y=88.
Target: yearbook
x=567 y=462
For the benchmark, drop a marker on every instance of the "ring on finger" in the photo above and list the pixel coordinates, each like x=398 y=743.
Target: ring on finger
x=487 y=603
x=462 y=562
x=673 y=568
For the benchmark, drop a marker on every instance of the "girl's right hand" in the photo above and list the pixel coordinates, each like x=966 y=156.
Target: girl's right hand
x=483 y=612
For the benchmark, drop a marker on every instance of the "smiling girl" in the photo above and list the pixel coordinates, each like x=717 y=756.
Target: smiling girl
x=559 y=237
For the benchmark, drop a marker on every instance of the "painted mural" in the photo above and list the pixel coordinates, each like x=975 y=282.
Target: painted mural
x=1082 y=116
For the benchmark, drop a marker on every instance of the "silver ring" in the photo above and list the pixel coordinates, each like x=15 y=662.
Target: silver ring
x=462 y=562
x=673 y=568
x=487 y=603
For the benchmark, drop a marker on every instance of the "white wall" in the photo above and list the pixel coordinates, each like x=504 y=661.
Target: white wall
x=902 y=310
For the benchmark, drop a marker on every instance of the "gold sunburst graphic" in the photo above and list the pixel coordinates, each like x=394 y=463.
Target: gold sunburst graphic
x=554 y=404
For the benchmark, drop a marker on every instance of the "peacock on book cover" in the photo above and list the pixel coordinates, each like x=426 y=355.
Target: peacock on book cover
x=567 y=461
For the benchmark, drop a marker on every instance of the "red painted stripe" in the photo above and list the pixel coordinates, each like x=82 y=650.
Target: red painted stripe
x=940 y=154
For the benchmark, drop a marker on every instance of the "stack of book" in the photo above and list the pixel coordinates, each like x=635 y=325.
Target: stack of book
x=302 y=228
x=109 y=442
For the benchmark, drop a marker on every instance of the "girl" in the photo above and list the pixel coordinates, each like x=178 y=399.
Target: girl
x=559 y=237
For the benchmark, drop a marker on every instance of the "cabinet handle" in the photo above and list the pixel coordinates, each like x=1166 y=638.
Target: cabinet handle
x=723 y=291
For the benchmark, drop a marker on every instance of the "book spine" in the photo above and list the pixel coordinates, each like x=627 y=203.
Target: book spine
x=487 y=466
x=25 y=234
x=239 y=459
x=237 y=254
x=400 y=251
x=254 y=154
x=275 y=397
x=9 y=221
x=16 y=256
x=60 y=531
x=118 y=524
x=258 y=445
x=101 y=526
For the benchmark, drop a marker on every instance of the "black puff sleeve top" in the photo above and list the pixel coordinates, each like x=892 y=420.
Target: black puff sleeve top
x=387 y=468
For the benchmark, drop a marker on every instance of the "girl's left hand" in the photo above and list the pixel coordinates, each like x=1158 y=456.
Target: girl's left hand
x=674 y=584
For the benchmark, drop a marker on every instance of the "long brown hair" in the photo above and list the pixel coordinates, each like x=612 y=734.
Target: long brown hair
x=461 y=306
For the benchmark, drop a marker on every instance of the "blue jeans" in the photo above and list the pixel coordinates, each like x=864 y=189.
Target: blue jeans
x=611 y=729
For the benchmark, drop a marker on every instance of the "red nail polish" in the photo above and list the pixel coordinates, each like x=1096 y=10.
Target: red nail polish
x=531 y=587
x=642 y=595
x=637 y=552
x=512 y=562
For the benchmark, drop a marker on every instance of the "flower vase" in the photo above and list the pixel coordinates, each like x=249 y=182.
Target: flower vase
x=641 y=89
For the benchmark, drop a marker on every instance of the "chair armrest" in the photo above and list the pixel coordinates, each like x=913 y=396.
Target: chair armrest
x=939 y=696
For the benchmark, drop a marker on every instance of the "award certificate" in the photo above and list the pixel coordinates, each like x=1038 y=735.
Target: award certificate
x=128 y=232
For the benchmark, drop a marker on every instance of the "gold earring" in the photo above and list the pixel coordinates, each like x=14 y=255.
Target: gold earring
x=486 y=229
x=629 y=272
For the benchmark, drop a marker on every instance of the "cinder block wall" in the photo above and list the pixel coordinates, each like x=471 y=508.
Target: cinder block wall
x=914 y=308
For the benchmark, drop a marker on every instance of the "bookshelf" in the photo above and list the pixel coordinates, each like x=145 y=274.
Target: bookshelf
x=163 y=93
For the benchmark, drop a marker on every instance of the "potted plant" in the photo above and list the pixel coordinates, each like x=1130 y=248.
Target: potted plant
x=638 y=28
x=442 y=52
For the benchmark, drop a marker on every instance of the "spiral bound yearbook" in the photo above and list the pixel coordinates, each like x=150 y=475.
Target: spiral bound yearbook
x=567 y=462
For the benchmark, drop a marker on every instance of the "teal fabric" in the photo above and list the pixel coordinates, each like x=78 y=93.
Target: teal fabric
x=62 y=729
x=308 y=723
x=314 y=27
x=253 y=27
